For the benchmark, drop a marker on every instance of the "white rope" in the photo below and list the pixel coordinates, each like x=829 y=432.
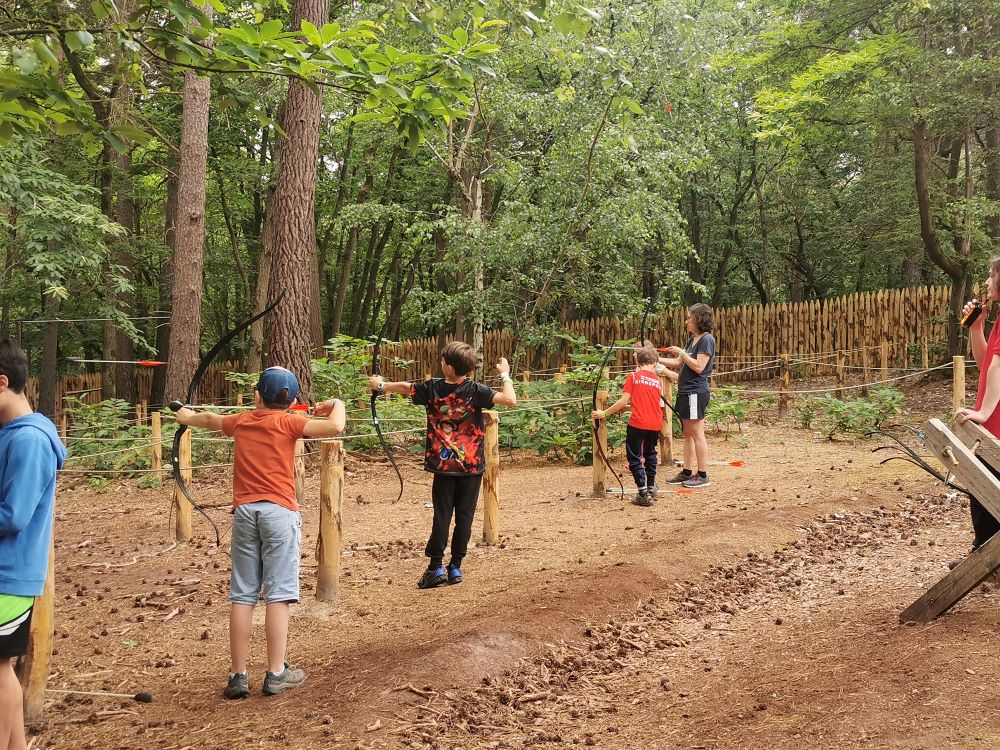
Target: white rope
x=838 y=387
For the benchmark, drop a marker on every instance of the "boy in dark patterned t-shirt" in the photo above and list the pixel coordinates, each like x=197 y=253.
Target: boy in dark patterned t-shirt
x=453 y=450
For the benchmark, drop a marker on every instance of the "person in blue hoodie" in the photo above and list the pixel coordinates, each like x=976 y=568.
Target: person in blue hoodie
x=30 y=455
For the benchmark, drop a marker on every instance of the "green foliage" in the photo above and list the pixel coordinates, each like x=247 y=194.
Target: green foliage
x=553 y=419
x=413 y=90
x=104 y=438
x=852 y=416
x=51 y=233
x=730 y=407
x=808 y=410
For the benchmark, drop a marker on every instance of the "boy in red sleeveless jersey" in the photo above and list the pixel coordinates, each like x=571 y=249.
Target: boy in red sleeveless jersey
x=644 y=393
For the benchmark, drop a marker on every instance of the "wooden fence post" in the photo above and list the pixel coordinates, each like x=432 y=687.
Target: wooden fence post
x=64 y=428
x=925 y=354
x=331 y=529
x=300 y=470
x=885 y=362
x=667 y=427
x=33 y=667
x=841 y=374
x=864 y=371
x=239 y=398
x=525 y=376
x=156 y=464
x=560 y=377
x=957 y=382
x=783 y=397
x=182 y=508
x=491 y=477
x=599 y=444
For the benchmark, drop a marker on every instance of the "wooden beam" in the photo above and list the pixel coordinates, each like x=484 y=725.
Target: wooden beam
x=988 y=448
x=962 y=463
x=960 y=454
x=956 y=584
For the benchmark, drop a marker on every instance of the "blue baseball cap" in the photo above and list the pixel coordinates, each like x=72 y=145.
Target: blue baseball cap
x=278 y=385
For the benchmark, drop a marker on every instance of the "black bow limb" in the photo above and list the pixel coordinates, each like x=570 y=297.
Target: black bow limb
x=192 y=390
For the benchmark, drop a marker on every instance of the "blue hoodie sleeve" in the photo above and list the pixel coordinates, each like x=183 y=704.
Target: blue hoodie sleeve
x=30 y=470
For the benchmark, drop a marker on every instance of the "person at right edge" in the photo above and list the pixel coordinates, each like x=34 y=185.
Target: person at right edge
x=453 y=450
x=986 y=353
x=696 y=360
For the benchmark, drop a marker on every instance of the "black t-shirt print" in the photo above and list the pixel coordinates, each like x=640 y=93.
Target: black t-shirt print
x=454 y=443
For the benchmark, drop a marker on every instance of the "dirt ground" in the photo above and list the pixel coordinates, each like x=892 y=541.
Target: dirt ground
x=760 y=612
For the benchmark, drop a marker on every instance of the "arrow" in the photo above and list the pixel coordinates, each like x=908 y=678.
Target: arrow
x=140 y=362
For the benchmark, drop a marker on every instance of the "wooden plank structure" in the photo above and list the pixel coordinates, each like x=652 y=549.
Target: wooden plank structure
x=967 y=452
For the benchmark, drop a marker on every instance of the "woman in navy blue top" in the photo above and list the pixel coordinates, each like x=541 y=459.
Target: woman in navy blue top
x=695 y=360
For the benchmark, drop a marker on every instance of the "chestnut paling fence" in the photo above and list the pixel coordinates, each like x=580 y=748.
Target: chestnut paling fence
x=751 y=341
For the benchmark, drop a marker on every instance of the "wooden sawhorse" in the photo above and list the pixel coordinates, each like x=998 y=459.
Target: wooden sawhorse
x=964 y=451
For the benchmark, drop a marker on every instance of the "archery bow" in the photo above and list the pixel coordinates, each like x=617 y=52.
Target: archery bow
x=191 y=392
x=377 y=371
x=642 y=341
x=645 y=315
x=594 y=427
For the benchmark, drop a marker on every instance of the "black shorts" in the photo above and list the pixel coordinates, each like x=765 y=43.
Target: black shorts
x=691 y=405
x=16 y=644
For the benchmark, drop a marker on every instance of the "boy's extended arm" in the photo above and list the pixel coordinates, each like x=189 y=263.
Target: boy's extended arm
x=619 y=405
x=377 y=384
x=333 y=425
x=506 y=395
x=205 y=419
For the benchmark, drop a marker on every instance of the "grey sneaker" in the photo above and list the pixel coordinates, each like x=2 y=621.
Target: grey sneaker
x=237 y=688
x=695 y=482
x=653 y=490
x=681 y=478
x=644 y=498
x=274 y=684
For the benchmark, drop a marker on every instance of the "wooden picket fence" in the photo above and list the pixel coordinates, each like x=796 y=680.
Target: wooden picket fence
x=751 y=336
x=751 y=339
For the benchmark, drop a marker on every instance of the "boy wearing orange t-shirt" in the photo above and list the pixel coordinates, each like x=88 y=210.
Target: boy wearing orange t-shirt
x=266 y=523
x=644 y=392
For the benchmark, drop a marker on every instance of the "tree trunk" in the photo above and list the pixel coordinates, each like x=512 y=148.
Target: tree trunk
x=189 y=251
x=370 y=309
x=294 y=217
x=928 y=233
x=164 y=283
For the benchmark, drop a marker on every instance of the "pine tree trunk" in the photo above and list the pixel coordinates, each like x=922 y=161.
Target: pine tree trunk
x=185 y=328
x=293 y=211
x=165 y=282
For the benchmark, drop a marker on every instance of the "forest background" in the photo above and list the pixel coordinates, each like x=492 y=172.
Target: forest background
x=445 y=168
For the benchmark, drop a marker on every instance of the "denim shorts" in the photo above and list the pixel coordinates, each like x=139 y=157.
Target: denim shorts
x=265 y=551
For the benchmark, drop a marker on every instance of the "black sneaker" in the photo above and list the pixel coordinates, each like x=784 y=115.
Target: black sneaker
x=681 y=478
x=432 y=578
x=289 y=679
x=454 y=574
x=237 y=688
